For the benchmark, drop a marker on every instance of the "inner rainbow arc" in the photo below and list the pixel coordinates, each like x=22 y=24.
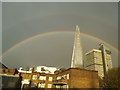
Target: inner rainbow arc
x=46 y=33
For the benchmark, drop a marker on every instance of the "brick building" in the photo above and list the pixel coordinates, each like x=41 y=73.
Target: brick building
x=62 y=78
x=26 y=77
x=76 y=78
x=41 y=77
x=42 y=80
x=37 y=80
x=70 y=78
x=8 y=71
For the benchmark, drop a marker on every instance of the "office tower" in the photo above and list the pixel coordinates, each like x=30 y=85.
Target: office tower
x=99 y=60
x=77 y=61
x=94 y=61
x=106 y=56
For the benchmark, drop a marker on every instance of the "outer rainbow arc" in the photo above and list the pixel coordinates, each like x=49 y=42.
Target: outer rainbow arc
x=37 y=17
x=52 y=33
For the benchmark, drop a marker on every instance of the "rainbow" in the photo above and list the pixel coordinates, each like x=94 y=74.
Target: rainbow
x=54 y=32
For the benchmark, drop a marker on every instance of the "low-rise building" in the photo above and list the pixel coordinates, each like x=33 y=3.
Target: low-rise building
x=76 y=78
x=62 y=78
x=11 y=81
x=40 y=77
x=9 y=78
x=42 y=80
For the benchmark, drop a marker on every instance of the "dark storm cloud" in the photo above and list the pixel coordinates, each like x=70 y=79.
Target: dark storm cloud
x=23 y=20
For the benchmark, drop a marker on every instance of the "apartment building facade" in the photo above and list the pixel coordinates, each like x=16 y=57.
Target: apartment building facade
x=37 y=78
x=41 y=80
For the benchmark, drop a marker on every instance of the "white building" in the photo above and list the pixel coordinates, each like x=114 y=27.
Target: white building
x=23 y=71
x=44 y=69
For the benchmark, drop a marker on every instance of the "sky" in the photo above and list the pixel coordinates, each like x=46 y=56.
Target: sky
x=54 y=24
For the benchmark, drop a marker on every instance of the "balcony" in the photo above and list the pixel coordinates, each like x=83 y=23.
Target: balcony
x=60 y=82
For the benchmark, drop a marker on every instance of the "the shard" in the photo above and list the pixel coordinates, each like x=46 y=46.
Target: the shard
x=77 y=60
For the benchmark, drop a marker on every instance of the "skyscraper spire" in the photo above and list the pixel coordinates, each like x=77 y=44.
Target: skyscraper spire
x=77 y=61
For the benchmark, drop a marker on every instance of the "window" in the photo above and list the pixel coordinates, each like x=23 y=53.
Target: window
x=4 y=70
x=34 y=77
x=39 y=85
x=49 y=85
x=59 y=77
x=32 y=84
x=63 y=76
x=9 y=70
x=42 y=77
x=25 y=76
x=42 y=85
x=25 y=86
x=67 y=76
x=57 y=86
x=67 y=86
x=50 y=78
